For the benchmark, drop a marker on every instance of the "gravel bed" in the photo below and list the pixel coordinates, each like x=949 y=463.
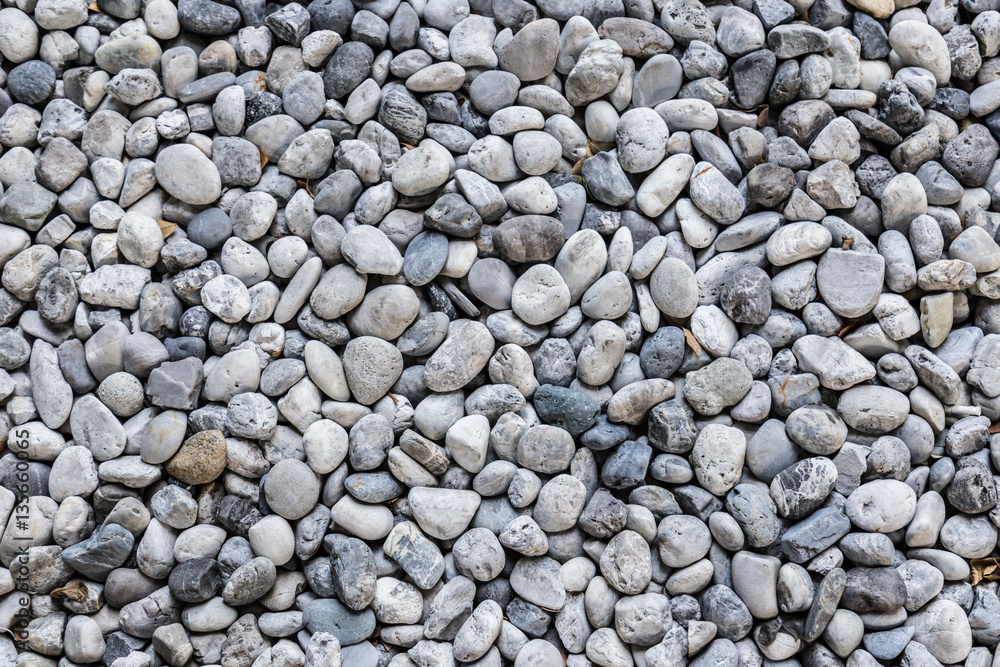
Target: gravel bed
x=426 y=333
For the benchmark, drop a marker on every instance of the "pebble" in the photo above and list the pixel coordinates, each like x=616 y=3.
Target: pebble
x=330 y=616
x=525 y=333
x=187 y=174
x=415 y=554
x=443 y=513
x=922 y=46
x=718 y=457
x=881 y=506
x=200 y=459
x=801 y=488
x=540 y=295
x=721 y=383
x=82 y=640
x=371 y=367
x=944 y=619
x=460 y=357
x=284 y=477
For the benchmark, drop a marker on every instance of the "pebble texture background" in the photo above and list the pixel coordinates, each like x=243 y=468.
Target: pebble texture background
x=481 y=332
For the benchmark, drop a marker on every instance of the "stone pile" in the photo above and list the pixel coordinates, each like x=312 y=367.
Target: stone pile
x=428 y=333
